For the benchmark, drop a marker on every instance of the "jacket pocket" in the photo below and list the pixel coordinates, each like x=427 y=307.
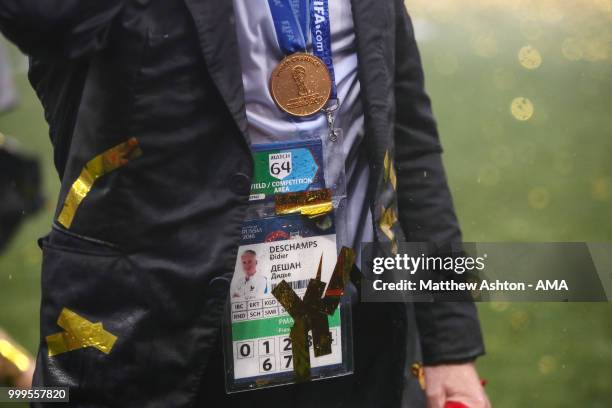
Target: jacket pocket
x=94 y=321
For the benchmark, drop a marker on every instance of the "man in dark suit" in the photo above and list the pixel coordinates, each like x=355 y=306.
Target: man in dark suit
x=152 y=124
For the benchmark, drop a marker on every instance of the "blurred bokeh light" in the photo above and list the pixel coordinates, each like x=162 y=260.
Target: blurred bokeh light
x=523 y=94
x=522 y=91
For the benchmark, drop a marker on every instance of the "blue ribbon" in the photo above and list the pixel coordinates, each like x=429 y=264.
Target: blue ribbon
x=321 y=37
x=289 y=30
x=292 y=18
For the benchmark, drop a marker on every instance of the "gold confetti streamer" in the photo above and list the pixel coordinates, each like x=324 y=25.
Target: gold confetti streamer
x=390 y=175
x=311 y=204
x=419 y=373
x=311 y=313
x=14 y=355
x=79 y=333
x=97 y=167
x=387 y=220
x=386 y=223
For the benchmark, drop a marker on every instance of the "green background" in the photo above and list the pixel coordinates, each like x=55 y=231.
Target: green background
x=548 y=178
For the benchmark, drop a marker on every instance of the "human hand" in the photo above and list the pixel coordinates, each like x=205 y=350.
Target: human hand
x=457 y=383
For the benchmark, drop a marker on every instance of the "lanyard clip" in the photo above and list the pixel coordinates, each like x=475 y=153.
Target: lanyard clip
x=332 y=107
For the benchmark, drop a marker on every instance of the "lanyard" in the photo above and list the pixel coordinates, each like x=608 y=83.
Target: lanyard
x=292 y=20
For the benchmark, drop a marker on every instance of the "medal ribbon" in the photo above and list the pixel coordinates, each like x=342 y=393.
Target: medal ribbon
x=321 y=37
x=291 y=22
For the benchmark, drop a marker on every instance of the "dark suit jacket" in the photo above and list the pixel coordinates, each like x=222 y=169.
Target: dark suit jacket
x=149 y=243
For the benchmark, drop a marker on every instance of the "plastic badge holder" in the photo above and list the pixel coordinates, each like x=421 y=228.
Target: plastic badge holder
x=257 y=346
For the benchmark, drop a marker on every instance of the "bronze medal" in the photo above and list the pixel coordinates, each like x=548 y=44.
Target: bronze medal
x=301 y=84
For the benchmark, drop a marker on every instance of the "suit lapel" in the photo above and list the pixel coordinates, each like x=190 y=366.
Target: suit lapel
x=373 y=28
x=214 y=21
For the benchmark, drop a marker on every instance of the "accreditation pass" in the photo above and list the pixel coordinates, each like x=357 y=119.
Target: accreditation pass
x=280 y=248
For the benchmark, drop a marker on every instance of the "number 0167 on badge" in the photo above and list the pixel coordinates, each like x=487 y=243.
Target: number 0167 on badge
x=258 y=344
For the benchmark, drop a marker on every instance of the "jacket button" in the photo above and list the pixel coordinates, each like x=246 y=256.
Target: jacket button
x=221 y=282
x=219 y=286
x=240 y=184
